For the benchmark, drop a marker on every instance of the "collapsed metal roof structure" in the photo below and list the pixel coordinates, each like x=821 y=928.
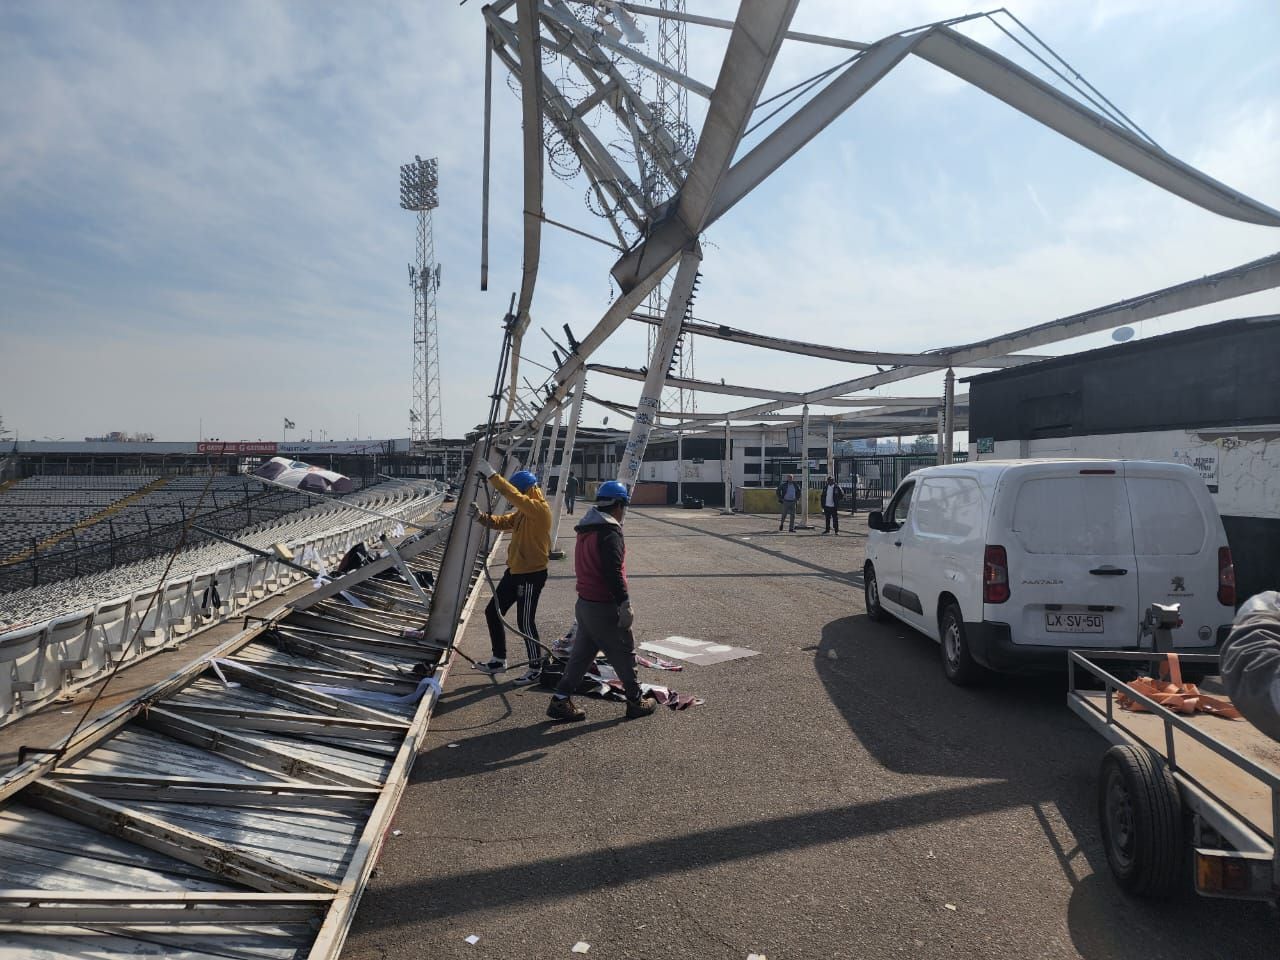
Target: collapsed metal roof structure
x=703 y=178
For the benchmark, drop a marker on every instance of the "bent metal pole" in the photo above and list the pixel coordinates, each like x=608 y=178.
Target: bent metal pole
x=566 y=458
x=663 y=349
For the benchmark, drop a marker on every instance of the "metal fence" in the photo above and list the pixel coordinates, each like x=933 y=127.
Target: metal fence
x=867 y=480
x=137 y=535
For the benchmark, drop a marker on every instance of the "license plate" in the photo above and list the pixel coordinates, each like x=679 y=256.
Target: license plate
x=1073 y=622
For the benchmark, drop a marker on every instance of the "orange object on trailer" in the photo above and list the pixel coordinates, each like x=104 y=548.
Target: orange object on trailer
x=1170 y=692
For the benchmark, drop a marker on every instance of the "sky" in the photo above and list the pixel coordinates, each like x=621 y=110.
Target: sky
x=200 y=232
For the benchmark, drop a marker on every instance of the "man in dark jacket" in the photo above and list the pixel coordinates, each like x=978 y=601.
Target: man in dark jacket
x=788 y=492
x=570 y=492
x=831 y=497
x=604 y=607
x=1251 y=662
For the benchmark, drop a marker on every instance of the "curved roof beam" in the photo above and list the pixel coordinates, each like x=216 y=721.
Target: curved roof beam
x=1240 y=281
x=531 y=105
x=828 y=352
x=1022 y=90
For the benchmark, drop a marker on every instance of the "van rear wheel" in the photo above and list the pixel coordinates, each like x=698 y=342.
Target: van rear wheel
x=957 y=663
x=871 y=594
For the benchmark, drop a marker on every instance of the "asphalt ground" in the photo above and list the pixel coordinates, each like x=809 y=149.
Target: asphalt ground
x=834 y=797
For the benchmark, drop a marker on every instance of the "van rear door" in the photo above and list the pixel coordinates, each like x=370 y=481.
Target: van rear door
x=1073 y=578
x=1176 y=536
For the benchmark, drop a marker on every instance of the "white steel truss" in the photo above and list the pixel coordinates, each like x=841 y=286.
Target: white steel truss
x=660 y=201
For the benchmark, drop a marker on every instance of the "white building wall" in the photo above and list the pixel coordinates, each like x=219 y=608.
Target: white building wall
x=1242 y=463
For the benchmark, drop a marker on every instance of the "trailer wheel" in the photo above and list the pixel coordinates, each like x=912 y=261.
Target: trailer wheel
x=871 y=594
x=1141 y=817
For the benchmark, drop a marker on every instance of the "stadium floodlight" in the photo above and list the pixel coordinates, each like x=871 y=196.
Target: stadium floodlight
x=419 y=182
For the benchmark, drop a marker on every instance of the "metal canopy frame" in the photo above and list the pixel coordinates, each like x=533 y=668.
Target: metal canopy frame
x=658 y=238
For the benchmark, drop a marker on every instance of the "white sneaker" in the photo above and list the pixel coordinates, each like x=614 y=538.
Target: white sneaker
x=531 y=675
x=492 y=666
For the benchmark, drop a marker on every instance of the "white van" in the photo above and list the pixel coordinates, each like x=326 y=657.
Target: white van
x=1010 y=563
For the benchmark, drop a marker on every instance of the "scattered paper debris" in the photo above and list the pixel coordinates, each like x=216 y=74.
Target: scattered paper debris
x=581 y=946
x=950 y=906
x=453 y=746
x=473 y=939
x=832 y=655
x=396 y=833
x=66 y=711
x=756 y=956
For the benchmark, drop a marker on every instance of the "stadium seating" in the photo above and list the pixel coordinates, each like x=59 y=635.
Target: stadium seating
x=56 y=638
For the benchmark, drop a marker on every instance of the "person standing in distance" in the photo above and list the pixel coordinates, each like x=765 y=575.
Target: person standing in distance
x=603 y=611
x=570 y=492
x=526 y=574
x=788 y=492
x=831 y=497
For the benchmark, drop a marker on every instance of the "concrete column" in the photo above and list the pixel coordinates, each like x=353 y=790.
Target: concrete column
x=937 y=446
x=764 y=444
x=727 y=466
x=566 y=461
x=535 y=452
x=949 y=413
x=804 y=452
x=831 y=449
x=679 y=466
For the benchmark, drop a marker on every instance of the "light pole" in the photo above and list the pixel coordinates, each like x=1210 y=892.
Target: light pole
x=419 y=183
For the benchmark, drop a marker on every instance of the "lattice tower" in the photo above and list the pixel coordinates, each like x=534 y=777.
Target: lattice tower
x=418 y=192
x=671 y=103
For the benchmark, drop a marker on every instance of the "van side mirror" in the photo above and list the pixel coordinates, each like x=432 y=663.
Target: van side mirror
x=875 y=520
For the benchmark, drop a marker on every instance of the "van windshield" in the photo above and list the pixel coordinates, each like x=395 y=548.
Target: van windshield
x=1166 y=518
x=1074 y=516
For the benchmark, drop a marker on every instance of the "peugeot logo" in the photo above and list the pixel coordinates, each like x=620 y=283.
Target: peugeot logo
x=1179 y=584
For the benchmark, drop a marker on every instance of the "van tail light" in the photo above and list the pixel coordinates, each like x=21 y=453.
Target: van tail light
x=995 y=576
x=1226 y=578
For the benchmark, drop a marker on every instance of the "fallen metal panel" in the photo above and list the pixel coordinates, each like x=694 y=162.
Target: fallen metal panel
x=154 y=833
x=258 y=873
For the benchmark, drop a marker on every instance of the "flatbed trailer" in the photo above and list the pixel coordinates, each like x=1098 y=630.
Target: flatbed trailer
x=1172 y=782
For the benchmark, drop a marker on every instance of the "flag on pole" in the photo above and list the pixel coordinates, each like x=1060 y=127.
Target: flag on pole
x=289 y=424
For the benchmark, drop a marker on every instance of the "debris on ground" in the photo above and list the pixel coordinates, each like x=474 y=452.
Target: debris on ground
x=473 y=939
x=581 y=946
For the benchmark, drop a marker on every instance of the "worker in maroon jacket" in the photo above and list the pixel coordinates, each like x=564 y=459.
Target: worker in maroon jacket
x=604 y=606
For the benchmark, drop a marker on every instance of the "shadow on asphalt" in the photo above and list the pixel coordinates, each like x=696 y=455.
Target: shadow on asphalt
x=1018 y=734
x=849 y=576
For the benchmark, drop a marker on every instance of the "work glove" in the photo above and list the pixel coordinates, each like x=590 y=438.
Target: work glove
x=485 y=470
x=473 y=511
x=625 y=616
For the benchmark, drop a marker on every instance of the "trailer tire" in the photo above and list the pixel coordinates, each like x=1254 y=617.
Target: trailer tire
x=1140 y=814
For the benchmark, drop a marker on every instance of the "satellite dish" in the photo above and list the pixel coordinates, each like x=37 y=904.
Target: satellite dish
x=1121 y=334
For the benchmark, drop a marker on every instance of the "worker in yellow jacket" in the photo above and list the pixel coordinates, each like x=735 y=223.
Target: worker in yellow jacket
x=526 y=574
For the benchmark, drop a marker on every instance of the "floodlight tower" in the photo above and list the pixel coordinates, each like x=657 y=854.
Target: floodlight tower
x=419 y=182
x=671 y=105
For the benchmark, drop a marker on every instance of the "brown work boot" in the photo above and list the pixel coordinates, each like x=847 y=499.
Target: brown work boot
x=640 y=708
x=564 y=710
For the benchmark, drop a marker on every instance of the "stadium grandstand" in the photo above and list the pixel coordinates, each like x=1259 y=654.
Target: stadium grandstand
x=104 y=540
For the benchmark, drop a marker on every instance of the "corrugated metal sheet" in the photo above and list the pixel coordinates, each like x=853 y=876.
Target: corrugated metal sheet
x=230 y=817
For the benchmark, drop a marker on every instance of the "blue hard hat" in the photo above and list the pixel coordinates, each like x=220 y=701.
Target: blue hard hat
x=613 y=490
x=522 y=480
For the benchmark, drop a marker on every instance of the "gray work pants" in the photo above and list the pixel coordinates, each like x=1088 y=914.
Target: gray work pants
x=598 y=630
x=788 y=510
